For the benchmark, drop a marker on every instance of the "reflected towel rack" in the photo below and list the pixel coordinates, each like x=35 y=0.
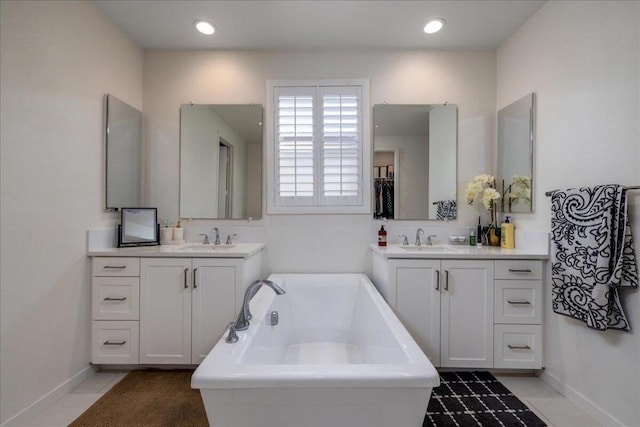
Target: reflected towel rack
x=630 y=187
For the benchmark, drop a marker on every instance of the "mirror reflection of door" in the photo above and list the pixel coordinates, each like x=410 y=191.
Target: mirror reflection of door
x=225 y=177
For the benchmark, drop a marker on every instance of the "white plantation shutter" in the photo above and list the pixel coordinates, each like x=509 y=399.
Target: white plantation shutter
x=318 y=149
x=341 y=146
x=294 y=127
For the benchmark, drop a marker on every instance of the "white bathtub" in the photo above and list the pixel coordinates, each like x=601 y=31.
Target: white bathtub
x=337 y=358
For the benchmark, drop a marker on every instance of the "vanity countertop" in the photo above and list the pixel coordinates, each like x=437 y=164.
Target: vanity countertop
x=456 y=252
x=187 y=250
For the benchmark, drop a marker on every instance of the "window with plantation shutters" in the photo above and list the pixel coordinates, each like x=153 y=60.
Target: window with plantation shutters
x=318 y=156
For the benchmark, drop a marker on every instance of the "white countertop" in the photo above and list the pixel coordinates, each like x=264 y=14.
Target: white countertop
x=187 y=250
x=456 y=252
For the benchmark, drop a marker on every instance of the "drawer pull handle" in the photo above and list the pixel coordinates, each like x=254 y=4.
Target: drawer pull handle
x=437 y=280
x=446 y=282
x=518 y=347
x=519 y=302
x=114 y=343
x=115 y=299
x=114 y=267
x=186 y=272
x=522 y=270
x=195 y=285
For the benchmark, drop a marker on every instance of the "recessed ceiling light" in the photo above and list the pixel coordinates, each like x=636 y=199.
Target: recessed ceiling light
x=434 y=26
x=204 y=27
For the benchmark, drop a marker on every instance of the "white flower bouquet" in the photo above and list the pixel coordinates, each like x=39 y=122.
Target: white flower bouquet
x=484 y=186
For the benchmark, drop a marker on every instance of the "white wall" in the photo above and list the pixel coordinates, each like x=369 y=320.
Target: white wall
x=58 y=60
x=323 y=243
x=582 y=61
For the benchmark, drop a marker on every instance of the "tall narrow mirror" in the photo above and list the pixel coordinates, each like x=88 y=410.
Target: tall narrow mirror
x=514 y=172
x=221 y=161
x=123 y=154
x=415 y=161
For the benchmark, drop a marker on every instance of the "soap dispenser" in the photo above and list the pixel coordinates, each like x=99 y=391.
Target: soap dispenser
x=382 y=236
x=507 y=234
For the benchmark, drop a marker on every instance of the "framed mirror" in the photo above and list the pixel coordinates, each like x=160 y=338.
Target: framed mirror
x=220 y=161
x=514 y=171
x=415 y=161
x=138 y=227
x=123 y=135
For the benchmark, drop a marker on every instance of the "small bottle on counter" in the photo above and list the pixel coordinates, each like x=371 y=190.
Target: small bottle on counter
x=472 y=238
x=382 y=236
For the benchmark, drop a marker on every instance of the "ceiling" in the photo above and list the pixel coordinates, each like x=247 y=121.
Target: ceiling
x=318 y=24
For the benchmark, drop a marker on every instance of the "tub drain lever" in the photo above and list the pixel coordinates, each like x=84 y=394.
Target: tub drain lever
x=274 y=318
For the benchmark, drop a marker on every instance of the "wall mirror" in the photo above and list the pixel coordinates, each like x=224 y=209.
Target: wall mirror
x=415 y=161
x=220 y=161
x=138 y=227
x=514 y=172
x=123 y=135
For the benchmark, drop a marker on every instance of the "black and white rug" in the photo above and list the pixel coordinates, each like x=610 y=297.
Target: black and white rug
x=476 y=399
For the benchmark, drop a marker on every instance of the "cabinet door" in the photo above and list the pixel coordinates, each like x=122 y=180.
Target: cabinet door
x=215 y=281
x=467 y=314
x=165 y=310
x=416 y=301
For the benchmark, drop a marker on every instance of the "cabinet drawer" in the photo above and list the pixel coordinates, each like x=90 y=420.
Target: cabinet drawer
x=116 y=266
x=518 y=301
x=115 y=298
x=518 y=270
x=517 y=346
x=115 y=342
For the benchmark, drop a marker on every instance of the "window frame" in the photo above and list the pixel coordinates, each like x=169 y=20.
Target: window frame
x=364 y=205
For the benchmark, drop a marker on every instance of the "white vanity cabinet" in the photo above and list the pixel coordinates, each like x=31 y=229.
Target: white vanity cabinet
x=166 y=308
x=185 y=305
x=518 y=314
x=447 y=306
x=115 y=310
x=471 y=312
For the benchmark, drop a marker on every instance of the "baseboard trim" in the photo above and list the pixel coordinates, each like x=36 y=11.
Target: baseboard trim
x=21 y=417
x=570 y=393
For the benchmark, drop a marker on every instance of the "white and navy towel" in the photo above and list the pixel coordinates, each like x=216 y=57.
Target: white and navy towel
x=592 y=255
x=446 y=210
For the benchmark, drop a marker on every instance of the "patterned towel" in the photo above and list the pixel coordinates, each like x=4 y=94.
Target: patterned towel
x=446 y=210
x=592 y=255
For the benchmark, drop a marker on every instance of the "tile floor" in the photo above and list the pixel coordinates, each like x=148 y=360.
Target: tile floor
x=553 y=408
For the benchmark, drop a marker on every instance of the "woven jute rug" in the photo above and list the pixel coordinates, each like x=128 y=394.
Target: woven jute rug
x=148 y=398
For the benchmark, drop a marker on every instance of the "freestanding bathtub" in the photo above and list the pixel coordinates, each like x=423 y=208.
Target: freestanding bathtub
x=338 y=357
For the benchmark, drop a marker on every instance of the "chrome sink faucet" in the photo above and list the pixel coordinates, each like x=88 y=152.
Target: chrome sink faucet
x=217 y=240
x=242 y=322
x=429 y=241
x=419 y=231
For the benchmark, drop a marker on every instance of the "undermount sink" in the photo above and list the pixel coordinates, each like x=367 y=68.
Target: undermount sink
x=430 y=249
x=199 y=247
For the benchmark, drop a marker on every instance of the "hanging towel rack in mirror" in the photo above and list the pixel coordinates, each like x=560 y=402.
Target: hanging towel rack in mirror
x=629 y=187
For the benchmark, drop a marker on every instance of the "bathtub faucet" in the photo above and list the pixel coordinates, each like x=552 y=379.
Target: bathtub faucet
x=242 y=322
